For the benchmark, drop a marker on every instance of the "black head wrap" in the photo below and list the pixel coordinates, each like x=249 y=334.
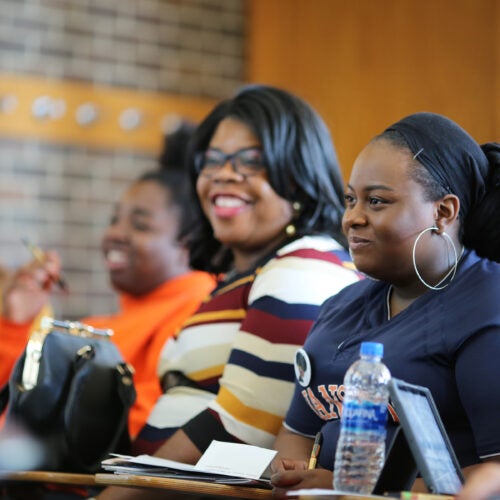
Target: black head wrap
x=462 y=167
x=481 y=227
x=453 y=158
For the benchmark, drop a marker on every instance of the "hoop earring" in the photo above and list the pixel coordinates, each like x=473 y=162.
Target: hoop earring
x=451 y=273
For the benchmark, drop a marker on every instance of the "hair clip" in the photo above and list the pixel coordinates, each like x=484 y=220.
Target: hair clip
x=417 y=153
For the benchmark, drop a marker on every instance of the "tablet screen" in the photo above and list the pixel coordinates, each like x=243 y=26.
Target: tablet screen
x=426 y=437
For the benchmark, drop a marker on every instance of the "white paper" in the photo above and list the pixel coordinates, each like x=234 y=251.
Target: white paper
x=324 y=492
x=163 y=462
x=235 y=459
x=143 y=463
x=312 y=491
x=227 y=459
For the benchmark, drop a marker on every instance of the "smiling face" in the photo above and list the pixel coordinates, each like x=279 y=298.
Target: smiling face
x=245 y=213
x=385 y=212
x=140 y=244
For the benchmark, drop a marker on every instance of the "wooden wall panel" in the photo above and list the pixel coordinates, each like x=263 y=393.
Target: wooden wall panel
x=364 y=64
x=110 y=102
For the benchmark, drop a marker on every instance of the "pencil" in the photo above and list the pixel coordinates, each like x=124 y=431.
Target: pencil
x=315 y=451
x=39 y=255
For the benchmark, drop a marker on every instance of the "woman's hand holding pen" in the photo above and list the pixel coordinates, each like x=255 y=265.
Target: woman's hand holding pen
x=282 y=464
x=293 y=474
x=26 y=290
x=286 y=474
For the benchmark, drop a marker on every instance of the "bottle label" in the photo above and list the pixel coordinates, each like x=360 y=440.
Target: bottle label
x=366 y=416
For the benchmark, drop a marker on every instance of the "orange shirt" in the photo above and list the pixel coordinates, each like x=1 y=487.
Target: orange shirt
x=141 y=328
x=13 y=339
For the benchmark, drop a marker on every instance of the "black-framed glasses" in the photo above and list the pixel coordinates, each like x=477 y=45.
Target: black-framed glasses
x=246 y=161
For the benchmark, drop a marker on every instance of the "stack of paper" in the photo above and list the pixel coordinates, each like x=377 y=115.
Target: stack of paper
x=228 y=463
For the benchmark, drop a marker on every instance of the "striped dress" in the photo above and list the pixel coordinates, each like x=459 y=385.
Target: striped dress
x=239 y=348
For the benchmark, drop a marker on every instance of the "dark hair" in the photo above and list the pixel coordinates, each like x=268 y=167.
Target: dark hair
x=175 y=142
x=176 y=182
x=479 y=227
x=482 y=227
x=300 y=160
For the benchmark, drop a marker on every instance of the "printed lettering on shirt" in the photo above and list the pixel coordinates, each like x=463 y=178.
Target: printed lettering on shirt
x=334 y=396
x=331 y=407
x=327 y=405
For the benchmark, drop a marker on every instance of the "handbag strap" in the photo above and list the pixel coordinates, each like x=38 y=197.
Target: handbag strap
x=120 y=441
x=126 y=384
x=4 y=397
x=127 y=394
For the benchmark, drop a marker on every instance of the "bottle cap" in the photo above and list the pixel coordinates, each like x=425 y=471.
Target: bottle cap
x=372 y=349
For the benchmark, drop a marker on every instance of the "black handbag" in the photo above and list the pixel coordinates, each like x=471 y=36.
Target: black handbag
x=71 y=390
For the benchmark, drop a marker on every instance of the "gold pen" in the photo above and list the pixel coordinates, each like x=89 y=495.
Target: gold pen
x=39 y=255
x=315 y=451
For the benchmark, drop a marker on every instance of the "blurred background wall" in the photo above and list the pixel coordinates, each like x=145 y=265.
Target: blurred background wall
x=87 y=88
x=366 y=63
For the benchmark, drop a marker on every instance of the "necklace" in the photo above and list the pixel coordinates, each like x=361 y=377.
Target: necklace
x=388 y=302
x=389 y=290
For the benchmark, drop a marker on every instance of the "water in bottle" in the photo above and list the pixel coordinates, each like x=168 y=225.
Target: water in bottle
x=360 y=450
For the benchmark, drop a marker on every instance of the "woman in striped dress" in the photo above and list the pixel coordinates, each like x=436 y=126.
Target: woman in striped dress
x=270 y=194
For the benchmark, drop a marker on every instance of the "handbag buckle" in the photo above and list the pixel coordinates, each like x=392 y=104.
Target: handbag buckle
x=80 y=329
x=126 y=371
x=34 y=354
x=37 y=338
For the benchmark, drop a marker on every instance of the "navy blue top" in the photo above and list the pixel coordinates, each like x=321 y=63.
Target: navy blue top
x=447 y=340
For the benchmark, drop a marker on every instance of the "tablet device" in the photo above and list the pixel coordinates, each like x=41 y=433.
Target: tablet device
x=400 y=470
x=425 y=437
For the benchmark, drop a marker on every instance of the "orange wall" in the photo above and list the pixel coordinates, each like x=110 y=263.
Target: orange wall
x=366 y=63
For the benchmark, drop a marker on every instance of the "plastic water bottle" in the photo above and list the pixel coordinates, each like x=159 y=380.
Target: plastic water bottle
x=360 y=452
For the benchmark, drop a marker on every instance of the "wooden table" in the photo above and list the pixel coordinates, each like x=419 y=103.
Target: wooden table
x=39 y=476
x=185 y=486
x=34 y=485
x=188 y=486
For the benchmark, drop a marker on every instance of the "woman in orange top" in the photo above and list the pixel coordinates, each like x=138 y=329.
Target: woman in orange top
x=147 y=265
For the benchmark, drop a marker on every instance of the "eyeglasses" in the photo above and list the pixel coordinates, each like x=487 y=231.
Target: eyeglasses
x=245 y=162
